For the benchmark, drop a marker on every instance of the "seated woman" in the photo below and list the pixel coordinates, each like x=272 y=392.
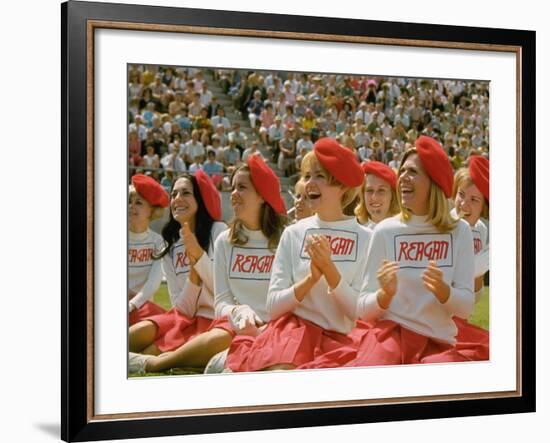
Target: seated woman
x=471 y=198
x=317 y=273
x=378 y=198
x=244 y=253
x=419 y=270
x=146 y=202
x=188 y=335
x=301 y=203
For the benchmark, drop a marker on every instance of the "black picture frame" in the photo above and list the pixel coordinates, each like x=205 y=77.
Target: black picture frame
x=78 y=422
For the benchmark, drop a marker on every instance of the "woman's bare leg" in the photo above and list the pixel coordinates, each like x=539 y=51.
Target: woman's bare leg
x=194 y=354
x=141 y=335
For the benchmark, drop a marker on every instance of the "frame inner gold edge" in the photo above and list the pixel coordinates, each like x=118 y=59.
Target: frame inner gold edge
x=97 y=24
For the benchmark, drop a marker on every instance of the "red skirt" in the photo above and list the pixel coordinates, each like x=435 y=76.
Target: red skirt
x=342 y=355
x=175 y=328
x=147 y=310
x=388 y=343
x=472 y=340
x=359 y=331
x=288 y=340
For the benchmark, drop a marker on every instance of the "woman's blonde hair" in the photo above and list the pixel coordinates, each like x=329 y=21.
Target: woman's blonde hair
x=350 y=195
x=361 y=209
x=439 y=213
x=156 y=211
x=272 y=223
x=463 y=179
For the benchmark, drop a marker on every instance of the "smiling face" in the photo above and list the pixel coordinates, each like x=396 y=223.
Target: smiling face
x=414 y=185
x=378 y=196
x=246 y=202
x=323 y=195
x=301 y=203
x=182 y=201
x=139 y=212
x=469 y=203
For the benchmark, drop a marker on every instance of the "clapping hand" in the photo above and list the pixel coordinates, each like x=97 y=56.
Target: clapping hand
x=433 y=281
x=192 y=247
x=387 y=279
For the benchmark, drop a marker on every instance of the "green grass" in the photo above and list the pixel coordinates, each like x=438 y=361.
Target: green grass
x=480 y=318
x=162 y=298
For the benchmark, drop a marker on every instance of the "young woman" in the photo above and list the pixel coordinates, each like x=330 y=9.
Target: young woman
x=244 y=253
x=317 y=272
x=301 y=204
x=471 y=199
x=378 y=201
x=419 y=270
x=146 y=202
x=187 y=335
x=378 y=198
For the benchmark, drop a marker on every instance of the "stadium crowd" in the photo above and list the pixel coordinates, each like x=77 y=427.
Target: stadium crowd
x=177 y=124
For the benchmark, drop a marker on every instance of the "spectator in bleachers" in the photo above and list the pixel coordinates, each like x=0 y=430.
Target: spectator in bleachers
x=219 y=131
x=193 y=148
x=172 y=161
x=266 y=118
x=150 y=159
x=231 y=156
x=252 y=150
x=138 y=127
x=287 y=154
x=202 y=122
x=196 y=165
x=254 y=108
x=220 y=119
x=211 y=166
x=238 y=137
x=183 y=120
x=217 y=148
x=195 y=106
x=205 y=95
x=176 y=106
x=304 y=142
x=275 y=134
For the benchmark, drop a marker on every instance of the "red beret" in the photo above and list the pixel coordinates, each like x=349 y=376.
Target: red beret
x=210 y=195
x=479 y=171
x=266 y=183
x=150 y=190
x=436 y=163
x=381 y=170
x=339 y=161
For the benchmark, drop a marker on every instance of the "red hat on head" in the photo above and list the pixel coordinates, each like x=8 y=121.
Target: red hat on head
x=381 y=170
x=479 y=171
x=339 y=161
x=150 y=190
x=266 y=183
x=436 y=163
x=210 y=195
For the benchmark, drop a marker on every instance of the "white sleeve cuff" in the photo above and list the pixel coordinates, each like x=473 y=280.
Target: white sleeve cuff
x=346 y=297
x=368 y=308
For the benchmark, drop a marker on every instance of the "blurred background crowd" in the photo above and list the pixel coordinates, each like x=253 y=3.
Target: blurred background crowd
x=182 y=119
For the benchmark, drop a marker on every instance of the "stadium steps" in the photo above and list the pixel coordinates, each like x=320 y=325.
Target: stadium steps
x=235 y=117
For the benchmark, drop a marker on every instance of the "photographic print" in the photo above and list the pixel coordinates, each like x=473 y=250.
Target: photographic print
x=300 y=291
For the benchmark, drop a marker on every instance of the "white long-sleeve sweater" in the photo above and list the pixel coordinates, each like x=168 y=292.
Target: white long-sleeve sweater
x=413 y=244
x=335 y=309
x=480 y=235
x=144 y=273
x=242 y=273
x=191 y=299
